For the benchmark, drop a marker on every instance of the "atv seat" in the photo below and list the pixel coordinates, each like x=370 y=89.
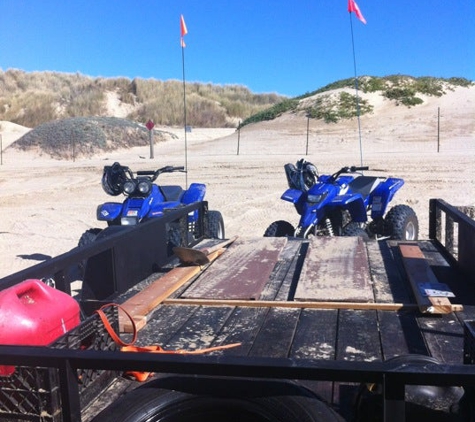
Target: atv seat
x=172 y=192
x=364 y=185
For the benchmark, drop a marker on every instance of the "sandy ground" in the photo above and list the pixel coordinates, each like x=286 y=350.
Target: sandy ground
x=46 y=204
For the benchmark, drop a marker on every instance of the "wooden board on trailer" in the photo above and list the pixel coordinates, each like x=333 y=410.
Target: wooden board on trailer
x=242 y=273
x=141 y=304
x=421 y=278
x=335 y=269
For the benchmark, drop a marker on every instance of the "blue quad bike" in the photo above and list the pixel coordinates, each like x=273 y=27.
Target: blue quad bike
x=346 y=203
x=146 y=199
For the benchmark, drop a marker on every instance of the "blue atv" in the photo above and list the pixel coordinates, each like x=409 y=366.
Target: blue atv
x=145 y=200
x=346 y=203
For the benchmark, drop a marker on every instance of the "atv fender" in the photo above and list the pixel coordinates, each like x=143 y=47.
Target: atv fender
x=354 y=203
x=383 y=195
x=292 y=195
x=108 y=211
x=159 y=209
x=195 y=193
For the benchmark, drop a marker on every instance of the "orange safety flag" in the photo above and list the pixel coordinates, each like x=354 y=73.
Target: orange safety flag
x=183 y=31
x=353 y=7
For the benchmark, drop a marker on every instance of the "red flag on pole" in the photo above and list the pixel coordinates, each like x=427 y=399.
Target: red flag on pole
x=183 y=30
x=353 y=7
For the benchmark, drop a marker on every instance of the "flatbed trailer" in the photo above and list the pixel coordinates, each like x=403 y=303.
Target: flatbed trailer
x=336 y=325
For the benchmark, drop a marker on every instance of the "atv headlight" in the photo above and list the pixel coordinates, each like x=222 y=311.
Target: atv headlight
x=129 y=221
x=145 y=186
x=315 y=199
x=129 y=187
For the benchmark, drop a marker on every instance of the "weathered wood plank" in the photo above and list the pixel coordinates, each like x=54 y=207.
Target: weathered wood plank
x=163 y=323
x=400 y=334
x=241 y=273
x=358 y=340
x=419 y=273
x=241 y=327
x=358 y=336
x=281 y=278
x=141 y=304
x=444 y=337
x=315 y=336
x=335 y=269
x=386 y=279
x=200 y=330
x=276 y=334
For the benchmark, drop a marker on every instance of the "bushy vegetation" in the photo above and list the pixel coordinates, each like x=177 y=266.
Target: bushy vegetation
x=399 y=88
x=84 y=136
x=273 y=112
x=33 y=98
x=344 y=106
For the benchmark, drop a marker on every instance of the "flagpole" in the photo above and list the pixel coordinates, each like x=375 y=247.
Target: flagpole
x=183 y=32
x=184 y=114
x=356 y=89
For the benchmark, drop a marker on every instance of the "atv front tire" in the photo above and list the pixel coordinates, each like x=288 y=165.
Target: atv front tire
x=280 y=229
x=215 y=225
x=401 y=223
x=88 y=237
x=353 y=229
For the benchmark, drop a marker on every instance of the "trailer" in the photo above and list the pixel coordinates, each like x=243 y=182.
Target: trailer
x=264 y=329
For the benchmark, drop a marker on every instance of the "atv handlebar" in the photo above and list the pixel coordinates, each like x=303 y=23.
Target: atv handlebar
x=352 y=169
x=156 y=173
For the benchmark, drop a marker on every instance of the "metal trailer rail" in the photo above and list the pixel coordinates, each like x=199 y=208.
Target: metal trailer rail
x=392 y=380
x=127 y=255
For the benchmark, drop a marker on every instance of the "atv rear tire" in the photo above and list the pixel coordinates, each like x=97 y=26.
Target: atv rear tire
x=353 y=229
x=280 y=229
x=215 y=225
x=401 y=223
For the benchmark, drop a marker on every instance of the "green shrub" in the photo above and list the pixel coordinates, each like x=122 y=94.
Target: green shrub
x=406 y=96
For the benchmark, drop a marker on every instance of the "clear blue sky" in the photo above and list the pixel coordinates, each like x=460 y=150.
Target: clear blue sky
x=288 y=47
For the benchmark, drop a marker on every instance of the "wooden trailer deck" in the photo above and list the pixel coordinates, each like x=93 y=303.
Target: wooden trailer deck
x=328 y=298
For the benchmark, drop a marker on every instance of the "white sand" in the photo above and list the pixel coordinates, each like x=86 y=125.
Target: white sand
x=47 y=204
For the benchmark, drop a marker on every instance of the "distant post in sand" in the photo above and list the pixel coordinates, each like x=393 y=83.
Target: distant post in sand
x=438 y=129
x=308 y=128
x=149 y=125
x=239 y=136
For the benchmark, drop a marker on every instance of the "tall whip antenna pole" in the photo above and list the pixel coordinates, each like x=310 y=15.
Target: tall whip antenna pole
x=183 y=32
x=356 y=90
x=353 y=7
x=184 y=116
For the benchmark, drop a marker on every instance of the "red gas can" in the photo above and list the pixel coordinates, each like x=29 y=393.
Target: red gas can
x=34 y=314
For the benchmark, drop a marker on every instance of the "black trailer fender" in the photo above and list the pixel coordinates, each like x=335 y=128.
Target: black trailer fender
x=210 y=399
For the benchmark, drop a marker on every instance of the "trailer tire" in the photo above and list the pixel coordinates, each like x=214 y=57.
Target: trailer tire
x=280 y=228
x=155 y=404
x=423 y=402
